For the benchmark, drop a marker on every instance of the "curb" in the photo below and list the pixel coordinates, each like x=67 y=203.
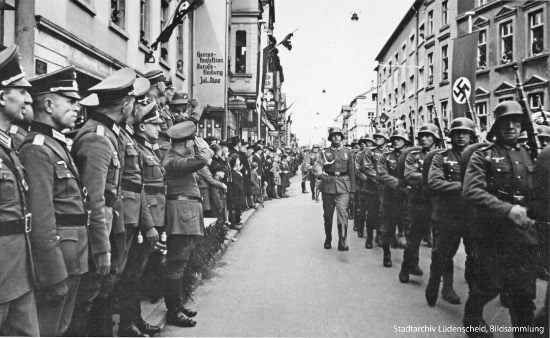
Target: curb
x=155 y=314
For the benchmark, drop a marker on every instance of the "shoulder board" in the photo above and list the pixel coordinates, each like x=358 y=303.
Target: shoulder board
x=415 y=152
x=38 y=140
x=100 y=130
x=14 y=129
x=487 y=147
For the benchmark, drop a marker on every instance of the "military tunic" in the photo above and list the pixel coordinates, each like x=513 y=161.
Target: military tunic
x=60 y=239
x=360 y=181
x=18 y=135
x=163 y=144
x=372 y=190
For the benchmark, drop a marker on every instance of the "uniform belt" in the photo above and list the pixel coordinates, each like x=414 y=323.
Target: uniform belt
x=336 y=173
x=110 y=199
x=131 y=187
x=155 y=190
x=76 y=220
x=179 y=197
x=16 y=227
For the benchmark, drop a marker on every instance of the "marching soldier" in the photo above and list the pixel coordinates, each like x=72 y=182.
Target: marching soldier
x=184 y=216
x=498 y=184
x=20 y=129
x=449 y=213
x=373 y=191
x=336 y=168
x=354 y=199
x=394 y=197
x=58 y=199
x=312 y=159
x=543 y=136
x=98 y=158
x=17 y=302
x=360 y=184
x=149 y=218
x=156 y=91
x=419 y=205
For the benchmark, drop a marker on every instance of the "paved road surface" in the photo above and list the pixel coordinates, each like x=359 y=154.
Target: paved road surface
x=277 y=280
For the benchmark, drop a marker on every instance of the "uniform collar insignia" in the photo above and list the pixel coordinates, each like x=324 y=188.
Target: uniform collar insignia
x=338 y=148
x=13 y=129
x=155 y=146
x=128 y=128
x=141 y=140
x=106 y=120
x=5 y=139
x=49 y=131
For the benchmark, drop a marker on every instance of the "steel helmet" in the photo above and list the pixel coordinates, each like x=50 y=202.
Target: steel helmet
x=354 y=142
x=335 y=130
x=400 y=132
x=367 y=137
x=383 y=132
x=506 y=108
x=543 y=131
x=429 y=128
x=462 y=123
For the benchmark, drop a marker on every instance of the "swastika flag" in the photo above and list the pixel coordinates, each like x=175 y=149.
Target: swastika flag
x=463 y=78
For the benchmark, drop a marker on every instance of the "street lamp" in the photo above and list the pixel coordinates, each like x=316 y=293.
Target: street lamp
x=354 y=17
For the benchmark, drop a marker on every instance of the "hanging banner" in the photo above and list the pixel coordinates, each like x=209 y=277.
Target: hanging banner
x=209 y=58
x=464 y=73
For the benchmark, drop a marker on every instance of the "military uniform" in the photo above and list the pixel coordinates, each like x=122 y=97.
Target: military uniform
x=184 y=217
x=156 y=77
x=18 y=135
x=17 y=301
x=337 y=182
x=372 y=191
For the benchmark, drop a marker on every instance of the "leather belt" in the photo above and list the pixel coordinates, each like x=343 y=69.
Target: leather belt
x=336 y=173
x=72 y=220
x=155 y=190
x=16 y=227
x=131 y=187
x=110 y=199
x=179 y=197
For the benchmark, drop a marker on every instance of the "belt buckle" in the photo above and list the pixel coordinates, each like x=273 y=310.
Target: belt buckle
x=337 y=173
x=28 y=223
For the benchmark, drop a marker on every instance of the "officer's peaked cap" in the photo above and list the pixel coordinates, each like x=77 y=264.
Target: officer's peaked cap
x=11 y=72
x=141 y=87
x=151 y=114
x=61 y=82
x=182 y=131
x=155 y=76
x=169 y=83
x=117 y=86
x=543 y=131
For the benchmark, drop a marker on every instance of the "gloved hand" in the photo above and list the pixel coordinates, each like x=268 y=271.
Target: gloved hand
x=518 y=215
x=194 y=103
x=151 y=235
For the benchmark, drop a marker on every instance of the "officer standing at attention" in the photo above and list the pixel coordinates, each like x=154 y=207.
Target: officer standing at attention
x=156 y=91
x=419 y=205
x=20 y=129
x=394 y=197
x=360 y=185
x=99 y=161
x=498 y=184
x=450 y=213
x=373 y=191
x=336 y=169
x=184 y=216
x=59 y=240
x=17 y=303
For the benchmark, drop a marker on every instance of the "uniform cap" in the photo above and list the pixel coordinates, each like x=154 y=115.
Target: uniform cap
x=155 y=76
x=141 y=87
x=11 y=72
x=118 y=85
x=400 y=132
x=62 y=82
x=180 y=97
x=543 y=131
x=367 y=137
x=462 y=123
x=182 y=131
x=335 y=130
x=506 y=108
x=382 y=132
x=151 y=114
x=429 y=128
x=90 y=101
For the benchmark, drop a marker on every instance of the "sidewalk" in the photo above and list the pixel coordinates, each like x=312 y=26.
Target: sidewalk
x=155 y=313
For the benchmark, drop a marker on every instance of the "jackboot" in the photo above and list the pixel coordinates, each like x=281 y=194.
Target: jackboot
x=387 y=256
x=328 y=236
x=345 y=233
x=99 y=324
x=448 y=293
x=173 y=297
x=432 y=290
x=377 y=238
x=473 y=314
x=304 y=191
x=341 y=239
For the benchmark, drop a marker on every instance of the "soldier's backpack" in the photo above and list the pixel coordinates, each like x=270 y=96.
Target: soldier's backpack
x=466 y=154
x=401 y=165
x=428 y=163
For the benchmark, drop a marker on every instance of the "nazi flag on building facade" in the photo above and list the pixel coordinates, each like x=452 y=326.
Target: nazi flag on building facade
x=464 y=73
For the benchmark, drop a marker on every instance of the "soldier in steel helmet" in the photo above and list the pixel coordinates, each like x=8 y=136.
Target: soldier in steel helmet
x=419 y=204
x=498 y=184
x=354 y=203
x=381 y=137
x=313 y=183
x=336 y=169
x=450 y=215
x=393 y=196
x=543 y=136
x=366 y=142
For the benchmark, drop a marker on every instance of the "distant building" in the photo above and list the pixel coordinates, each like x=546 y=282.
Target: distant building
x=363 y=113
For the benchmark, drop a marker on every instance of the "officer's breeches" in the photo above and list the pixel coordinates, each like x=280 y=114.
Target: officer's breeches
x=338 y=202
x=178 y=253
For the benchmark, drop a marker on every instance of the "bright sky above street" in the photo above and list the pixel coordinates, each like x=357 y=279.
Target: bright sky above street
x=332 y=53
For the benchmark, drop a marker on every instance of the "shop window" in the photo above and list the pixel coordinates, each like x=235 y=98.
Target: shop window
x=536 y=100
x=444 y=13
x=536 y=32
x=118 y=13
x=430 y=79
x=482 y=50
x=430 y=22
x=240 y=52
x=144 y=22
x=507 y=42
x=444 y=63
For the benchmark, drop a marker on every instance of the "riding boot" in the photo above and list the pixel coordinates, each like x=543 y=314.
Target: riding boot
x=173 y=297
x=432 y=289
x=448 y=293
x=340 y=238
x=345 y=237
x=387 y=256
x=328 y=236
